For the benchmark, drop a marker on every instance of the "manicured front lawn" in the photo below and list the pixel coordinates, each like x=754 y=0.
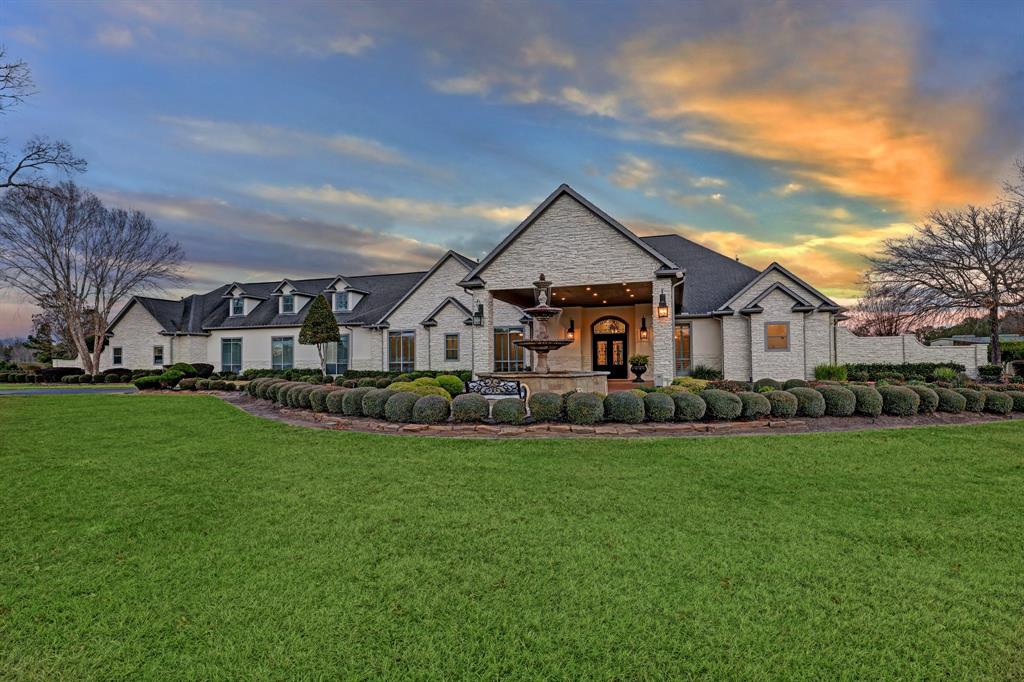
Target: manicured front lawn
x=173 y=536
x=36 y=387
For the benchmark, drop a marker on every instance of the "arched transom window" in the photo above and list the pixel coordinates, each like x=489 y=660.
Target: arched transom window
x=610 y=326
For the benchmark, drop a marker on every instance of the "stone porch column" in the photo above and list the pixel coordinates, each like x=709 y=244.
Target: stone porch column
x=483 y=336
x=662 y=329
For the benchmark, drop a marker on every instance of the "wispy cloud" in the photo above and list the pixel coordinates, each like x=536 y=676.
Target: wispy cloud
x=543 y=52
x=633 y=172
x=115 y=37
x=643 y=174
x=418 y=210
x=788 y=189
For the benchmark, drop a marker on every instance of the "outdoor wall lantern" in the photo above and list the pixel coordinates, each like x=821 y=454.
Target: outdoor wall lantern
x=478 y=316
x=570 y=333
x=643 y=328
x=662 y=305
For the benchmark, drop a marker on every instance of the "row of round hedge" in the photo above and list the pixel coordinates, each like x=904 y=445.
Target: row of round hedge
x=401 y=403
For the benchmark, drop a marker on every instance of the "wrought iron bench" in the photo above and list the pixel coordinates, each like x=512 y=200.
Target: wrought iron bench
x=493 y=388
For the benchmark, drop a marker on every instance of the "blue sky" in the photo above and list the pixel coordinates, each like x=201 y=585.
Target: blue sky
x=307 y=139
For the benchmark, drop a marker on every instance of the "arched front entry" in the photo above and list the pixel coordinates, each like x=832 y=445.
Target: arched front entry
x=610 y=338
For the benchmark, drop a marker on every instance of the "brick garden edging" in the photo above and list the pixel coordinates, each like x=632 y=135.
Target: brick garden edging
x=300 y=417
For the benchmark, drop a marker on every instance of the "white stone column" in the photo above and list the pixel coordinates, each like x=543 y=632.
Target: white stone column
x=483 y=336
x=662 y=329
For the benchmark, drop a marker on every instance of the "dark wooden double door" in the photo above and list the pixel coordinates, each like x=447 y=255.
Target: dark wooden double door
x=610 y=354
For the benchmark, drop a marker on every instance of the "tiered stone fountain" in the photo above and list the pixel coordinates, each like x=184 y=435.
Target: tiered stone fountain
x=542 y=378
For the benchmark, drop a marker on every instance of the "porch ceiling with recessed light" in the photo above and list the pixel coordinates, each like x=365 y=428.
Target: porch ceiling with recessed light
x=588 y=296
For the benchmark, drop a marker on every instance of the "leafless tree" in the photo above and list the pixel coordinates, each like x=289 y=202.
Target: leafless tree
x=958 y=262
x=40 y=154
x=879 y=314
x=68 y=253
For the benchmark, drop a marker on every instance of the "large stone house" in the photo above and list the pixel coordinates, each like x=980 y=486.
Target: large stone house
x=664 y=296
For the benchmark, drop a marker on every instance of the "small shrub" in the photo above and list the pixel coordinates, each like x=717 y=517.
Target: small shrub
x=690 y=407
x=430 y=409
x=755 y=405
x=545 y=406
x=366 y=383
x=929 y=398
x=1018 y=400
x=399 y=407
x=899 y=401
x=203 y=384
x=170 y=378
x=624 y=407
x=185 y=368
x=352 y=403
x=690 y=384
x=471 y=407
x=383 y=382
x=990 y=371
x=950 y=401
x=998 y=403
x=146 y=383
x=418 y=389
x=318 y=399
x=334 y=401
x=869 y=401
x=830 y=372
x=426 y=381
x=721 y=405
x=975 y=399
x=509 y=411
x=730 y=386
x=770 y=383
x=113 y=378
x=705 y=372
x=302 y=397
x=839 y=401
x=947 y=374
x=451 y=383
x=659 y=407
x=810 y=403
x=375 y=401
x=349 y=383
x=203 y=370
x=784 y=404
x=188 y=384
x=795 y=383
x=584 y=408
x=291 y=398
x=83 y=379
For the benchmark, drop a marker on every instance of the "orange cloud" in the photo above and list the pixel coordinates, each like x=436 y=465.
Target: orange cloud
x=835 y=102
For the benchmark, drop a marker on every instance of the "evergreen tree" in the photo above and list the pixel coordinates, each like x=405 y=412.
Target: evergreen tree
x=319 y=329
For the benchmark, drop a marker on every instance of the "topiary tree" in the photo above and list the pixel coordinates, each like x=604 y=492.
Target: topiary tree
x=469 y=407
x=509 y=411
x=721 y=405
x=625 y=407
x=430 y=409
x=809 y=402
x=319 y=329
x=755 y=405
x=839 y=401
x=659 y=407
x=545 y=406
x=869 y=401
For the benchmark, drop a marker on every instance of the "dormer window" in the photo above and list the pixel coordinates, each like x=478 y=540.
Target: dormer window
x=340 y=301
x=287 y=304
x=237 y=307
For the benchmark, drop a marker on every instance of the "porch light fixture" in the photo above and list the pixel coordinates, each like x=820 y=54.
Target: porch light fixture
x=662 y=305
x=643 y=328
x=570 y=333
x=478 y=316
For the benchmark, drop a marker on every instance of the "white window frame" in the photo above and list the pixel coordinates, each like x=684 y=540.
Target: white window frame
x=332 y=358
x=237 y=299
x=240 y=350
x=342 y=295
x=282 y=364
x=291 y=299
x=402 y=364
x=117 y=355
x=518 y=361
x=159 y=362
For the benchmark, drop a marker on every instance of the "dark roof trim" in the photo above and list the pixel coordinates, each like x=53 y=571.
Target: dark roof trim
x=778 y=286
x=694 y=316
x=429 y=320
x=440 y=261
x=333 y=286
x=475 y=283
x=530 y=219
x=234 y=285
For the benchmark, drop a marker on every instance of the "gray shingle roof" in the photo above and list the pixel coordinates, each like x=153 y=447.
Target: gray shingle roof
x=711 y=278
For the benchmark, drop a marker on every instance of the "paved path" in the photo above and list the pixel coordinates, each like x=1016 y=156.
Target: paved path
x=66 y=391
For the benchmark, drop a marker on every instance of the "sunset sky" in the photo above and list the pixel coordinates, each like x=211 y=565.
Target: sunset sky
x=302 y=139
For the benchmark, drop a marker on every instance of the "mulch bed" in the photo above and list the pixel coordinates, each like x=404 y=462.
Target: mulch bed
x=269 y=410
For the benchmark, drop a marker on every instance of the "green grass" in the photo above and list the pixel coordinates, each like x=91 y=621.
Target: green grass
x=33 y=387
x=174 y=536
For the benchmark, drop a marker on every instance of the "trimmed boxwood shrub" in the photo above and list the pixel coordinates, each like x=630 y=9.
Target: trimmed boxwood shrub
x=334 y=399
x=352 y=403
x=795 y=383
x=146 y=383
x=929 y=398
x=83 y=379
x=274 y=391
x=419 y=389
x=584 y=408
x=185 y=368
x=998 y=403
x=509 y=411
x=809 y=403
x=113 y=378
x=544 y=406
x=170 y=378
x=383 y=382
x=975 y=399
x=426 y=381
x=470 y=407
x=1018 y=400
x=839 y=401
x=869 y=401
x=755 y=405
x=950 y=401
x=318 y=399
x=366 y=383
x=659 y=407
x=784 y=404
x=721 y=405
x=770 y=383
x=899 y=401
x=399 y=407
x=451 y=383
x=289 y=397
x=430 y=409
x=624 y=407
x=375 y=401
x=690 y=407
x=188 y=384
x=302 y=397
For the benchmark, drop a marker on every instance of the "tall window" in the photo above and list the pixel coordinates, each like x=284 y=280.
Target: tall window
x=287 y=304
x=282 y=352
x=118 y=356
x=158 y=355
x=337 y=356
x=508 y=357
x=237 y=307
x=682 y=350
x=340 y=301
x=451 y=346
x=776 y=336
x=401 y=351
x=231 y=355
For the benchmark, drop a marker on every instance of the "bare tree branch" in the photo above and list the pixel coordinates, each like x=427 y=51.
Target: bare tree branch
x=15 y=81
